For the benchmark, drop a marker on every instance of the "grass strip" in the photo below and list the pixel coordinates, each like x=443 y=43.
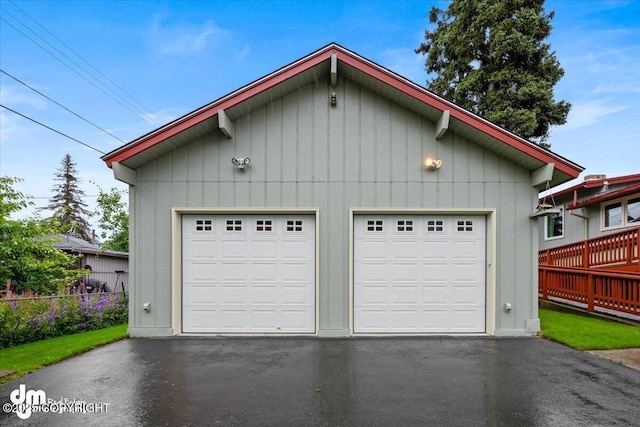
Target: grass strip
x=30 y=357
x=586 y=332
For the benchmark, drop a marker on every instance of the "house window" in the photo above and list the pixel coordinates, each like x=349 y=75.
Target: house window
x=633 y=210
x=621 y=213
x=613 y=215
x=554 y=226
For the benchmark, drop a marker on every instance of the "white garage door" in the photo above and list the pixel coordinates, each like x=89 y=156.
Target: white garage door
x=248 y=273
x=419 y=274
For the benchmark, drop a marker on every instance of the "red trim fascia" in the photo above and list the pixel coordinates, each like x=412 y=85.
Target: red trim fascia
x=623 y=179
x=573 y=189
x=226 y=102
x=595 y=183
x=606 y=196
x=461 y=114
x=363 y=65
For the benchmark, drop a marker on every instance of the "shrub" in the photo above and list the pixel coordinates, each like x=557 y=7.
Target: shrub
x=30 y=318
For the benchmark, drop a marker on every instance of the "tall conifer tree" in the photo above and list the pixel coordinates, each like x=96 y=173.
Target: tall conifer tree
x=489 y=56
x=69 y=211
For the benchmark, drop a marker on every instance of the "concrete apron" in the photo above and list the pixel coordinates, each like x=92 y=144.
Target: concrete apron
x=629 y=356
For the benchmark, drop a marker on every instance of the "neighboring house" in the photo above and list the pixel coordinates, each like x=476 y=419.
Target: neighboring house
x=593 y=208
x=333 y=197
x=106 y=266
x=589 y=249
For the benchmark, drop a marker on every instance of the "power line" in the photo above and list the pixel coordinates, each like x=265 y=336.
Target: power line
x=60 y=105
x=48 y=197
x=52 y=129
x=131 y=108
x=84 y=60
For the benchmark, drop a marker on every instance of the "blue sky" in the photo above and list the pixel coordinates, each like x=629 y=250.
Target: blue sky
x=163 y=59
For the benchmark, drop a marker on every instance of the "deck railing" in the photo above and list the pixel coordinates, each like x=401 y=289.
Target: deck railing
x=616 y=251
x=603 y=272
x=594 y=288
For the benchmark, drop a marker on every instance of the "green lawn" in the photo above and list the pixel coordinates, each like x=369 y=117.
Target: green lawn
x=586 y=332
x=30 y=357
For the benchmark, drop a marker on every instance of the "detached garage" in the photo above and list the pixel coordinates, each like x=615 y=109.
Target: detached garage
x=334 y=197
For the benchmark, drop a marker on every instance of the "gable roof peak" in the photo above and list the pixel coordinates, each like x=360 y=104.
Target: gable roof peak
x=375 y=77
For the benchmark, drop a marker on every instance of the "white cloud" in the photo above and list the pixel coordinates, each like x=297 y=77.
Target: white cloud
x=246 y=51
x=589 y=113
x=14 y=96
x=617 y=86
x=184 y=38
x=161 y=117
x=132 y=130
x=24 y=102
x=406 y=62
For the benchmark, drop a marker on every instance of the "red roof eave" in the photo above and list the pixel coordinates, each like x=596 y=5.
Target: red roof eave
x=595 y=183
x=461 y=114
x=370 y=68
x=606 y=196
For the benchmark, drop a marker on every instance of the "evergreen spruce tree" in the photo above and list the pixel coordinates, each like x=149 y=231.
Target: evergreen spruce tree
x=490 y=58
x=69 y=211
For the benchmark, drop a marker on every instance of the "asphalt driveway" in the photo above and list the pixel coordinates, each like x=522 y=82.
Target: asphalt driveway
x=334 y=382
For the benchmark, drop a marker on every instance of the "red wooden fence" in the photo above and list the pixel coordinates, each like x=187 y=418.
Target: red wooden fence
x=602 y=272
x=614 y=252
x=592 y=287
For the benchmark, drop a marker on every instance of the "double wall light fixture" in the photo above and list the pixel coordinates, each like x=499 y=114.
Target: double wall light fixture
x=241 y=162
x=432 y=164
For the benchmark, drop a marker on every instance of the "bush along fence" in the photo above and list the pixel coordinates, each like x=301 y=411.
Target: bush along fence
x=31 y=318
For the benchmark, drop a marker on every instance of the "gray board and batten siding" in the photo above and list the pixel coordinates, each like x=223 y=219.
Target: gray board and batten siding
x=364 y=153
x=336 y=138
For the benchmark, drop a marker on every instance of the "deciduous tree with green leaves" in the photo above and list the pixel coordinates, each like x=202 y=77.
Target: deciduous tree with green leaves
x=69 y=210
x=114 y=220
x=490 y=58
x=28 y=257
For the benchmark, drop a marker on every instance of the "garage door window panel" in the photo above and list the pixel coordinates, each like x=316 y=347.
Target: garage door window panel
x=204 y=225
x=294 y=226
x=435 y=226
x=375 y=225
x=404 y=226
x=464 y=226
x=233 y=225
x=264 y=225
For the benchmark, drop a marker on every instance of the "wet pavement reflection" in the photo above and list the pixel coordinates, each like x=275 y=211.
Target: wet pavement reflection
x=337 y=382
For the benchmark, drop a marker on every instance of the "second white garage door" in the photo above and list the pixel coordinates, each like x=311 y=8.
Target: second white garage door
x=419 y=274
x=248 y=274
